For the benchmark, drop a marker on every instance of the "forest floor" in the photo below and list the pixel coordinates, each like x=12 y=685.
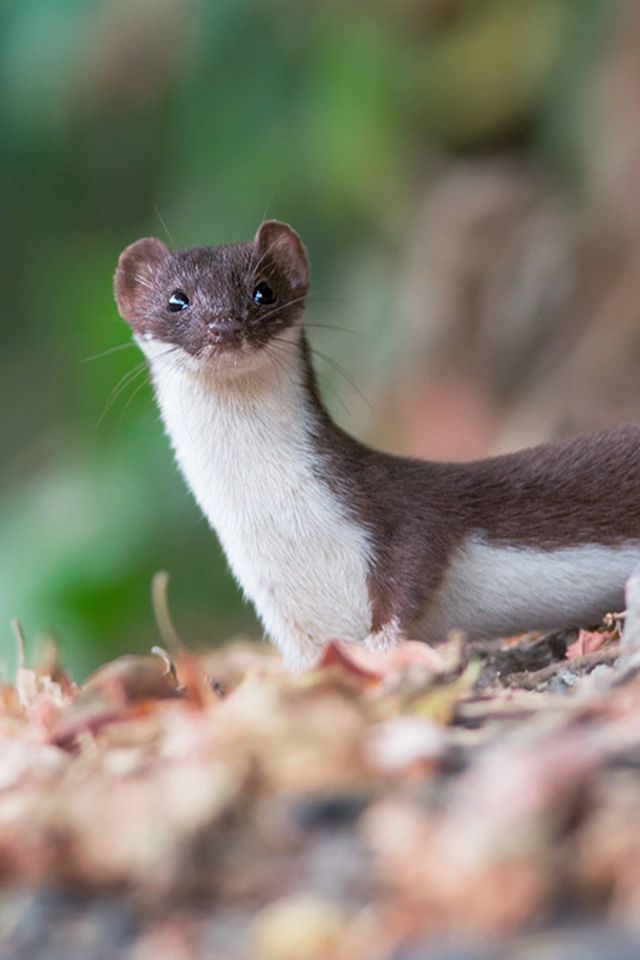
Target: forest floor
x=467 y=804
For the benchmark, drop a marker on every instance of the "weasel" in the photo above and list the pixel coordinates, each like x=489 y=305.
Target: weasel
x=329 y=538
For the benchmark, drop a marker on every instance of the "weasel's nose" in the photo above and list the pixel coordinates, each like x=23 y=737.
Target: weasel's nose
x=225 y=330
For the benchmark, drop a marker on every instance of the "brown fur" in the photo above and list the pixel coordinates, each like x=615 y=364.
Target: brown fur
x=564 y=494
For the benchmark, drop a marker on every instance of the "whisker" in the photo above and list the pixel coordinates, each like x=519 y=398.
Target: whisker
x=122 y=383
x=164 y=226
x=272 y=360
x=284 y=358
x=314 y=295
x=132 y=396
x=330 y=326
x=334 y=363
x=285 y=343
x=126 y=380
x=260 y=262
x=105 y=353
x=291 y=303
x=334 y=391
x=282 y=306
x=266 y=208
x=340 y=369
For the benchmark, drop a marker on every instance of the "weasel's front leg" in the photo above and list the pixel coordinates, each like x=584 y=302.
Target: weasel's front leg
x=398 y=602
x=299 y=652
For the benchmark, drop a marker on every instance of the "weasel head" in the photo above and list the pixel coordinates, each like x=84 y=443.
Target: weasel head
x=223 y=308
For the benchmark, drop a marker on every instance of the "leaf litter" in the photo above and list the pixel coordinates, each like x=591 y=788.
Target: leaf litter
x=473 y=803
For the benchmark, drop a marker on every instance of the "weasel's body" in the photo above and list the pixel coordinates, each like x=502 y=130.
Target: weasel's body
x=330 y=539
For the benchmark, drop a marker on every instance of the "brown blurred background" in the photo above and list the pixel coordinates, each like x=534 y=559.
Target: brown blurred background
x=466 y=174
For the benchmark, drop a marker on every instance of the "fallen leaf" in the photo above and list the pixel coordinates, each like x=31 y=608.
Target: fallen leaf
x=588 y=642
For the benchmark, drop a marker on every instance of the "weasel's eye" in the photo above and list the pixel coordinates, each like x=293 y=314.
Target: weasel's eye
x=178 y=301
x=263 y=295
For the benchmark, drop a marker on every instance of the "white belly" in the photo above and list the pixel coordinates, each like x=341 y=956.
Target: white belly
x=297 y=555
x=492 y=591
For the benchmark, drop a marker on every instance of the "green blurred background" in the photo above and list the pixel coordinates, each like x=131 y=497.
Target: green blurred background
x=462 y=171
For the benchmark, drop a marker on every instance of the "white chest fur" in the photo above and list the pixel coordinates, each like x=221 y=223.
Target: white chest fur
x=492 y=590
x=245 y=451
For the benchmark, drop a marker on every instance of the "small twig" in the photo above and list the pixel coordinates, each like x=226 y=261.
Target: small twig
x=529 y=681
x=160 y=603
x=18 y=633
x=169 y=665
x=614 y=622
x=182 y=662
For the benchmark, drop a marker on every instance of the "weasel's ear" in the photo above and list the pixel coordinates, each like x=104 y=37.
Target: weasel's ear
x=135 y=273
x=286 y=249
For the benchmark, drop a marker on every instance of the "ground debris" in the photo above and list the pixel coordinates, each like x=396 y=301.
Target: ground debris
x=468 y=803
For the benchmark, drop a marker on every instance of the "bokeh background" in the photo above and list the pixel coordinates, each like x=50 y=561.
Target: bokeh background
x=465 y=173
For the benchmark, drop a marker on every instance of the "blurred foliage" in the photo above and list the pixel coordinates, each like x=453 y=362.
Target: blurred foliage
x=120 y=117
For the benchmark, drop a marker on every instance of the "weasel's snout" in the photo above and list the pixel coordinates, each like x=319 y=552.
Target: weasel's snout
x=225 y=331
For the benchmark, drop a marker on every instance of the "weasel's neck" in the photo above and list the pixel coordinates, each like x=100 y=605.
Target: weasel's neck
x=231 y=432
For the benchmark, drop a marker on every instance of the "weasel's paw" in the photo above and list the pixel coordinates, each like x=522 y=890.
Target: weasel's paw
x=300 y=654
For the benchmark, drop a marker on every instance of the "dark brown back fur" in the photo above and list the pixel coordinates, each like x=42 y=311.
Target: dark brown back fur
x=569 y=493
